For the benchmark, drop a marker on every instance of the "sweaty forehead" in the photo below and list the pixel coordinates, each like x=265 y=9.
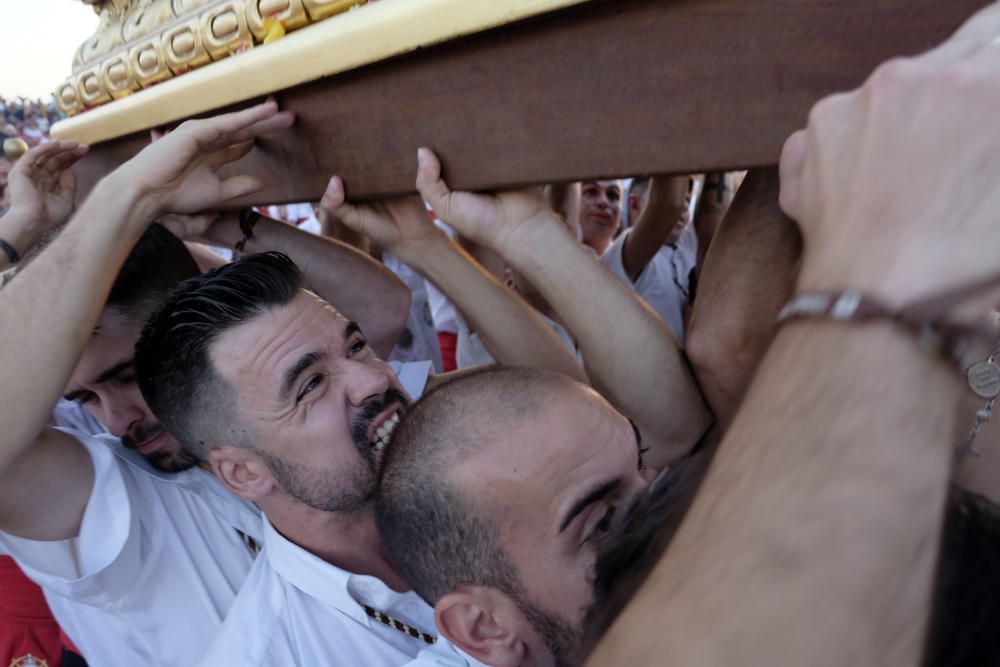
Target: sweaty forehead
x=262 y=346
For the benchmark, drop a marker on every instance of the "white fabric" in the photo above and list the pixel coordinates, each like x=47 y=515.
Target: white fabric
x=655 y=285
x=470 y=350
x=443 y=312
x=156 y=566
x=413 y=376
x=444 y=654
x=72 y=415
x=418 y=341
x=302 y=215
x=297 y=609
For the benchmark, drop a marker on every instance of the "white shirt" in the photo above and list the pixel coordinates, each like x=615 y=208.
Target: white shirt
x=656 y=284
x=155 y=567
x=72 y=415
x=470 y=350
x=418 y=341
x=297 y=609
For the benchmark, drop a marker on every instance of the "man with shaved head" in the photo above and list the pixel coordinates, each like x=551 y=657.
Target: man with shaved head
x=494 y=514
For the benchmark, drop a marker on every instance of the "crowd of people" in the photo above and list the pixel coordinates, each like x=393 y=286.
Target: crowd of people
x=706 y=419
x=28 y=119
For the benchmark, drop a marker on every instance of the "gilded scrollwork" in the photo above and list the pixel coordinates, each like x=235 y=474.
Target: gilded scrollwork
x=140 y=43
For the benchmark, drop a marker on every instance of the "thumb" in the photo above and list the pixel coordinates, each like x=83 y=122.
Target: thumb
x=333 y=197
x=334 y=205
x=430 y=185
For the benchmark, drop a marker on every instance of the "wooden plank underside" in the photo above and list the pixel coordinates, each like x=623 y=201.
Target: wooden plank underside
x=610 y=88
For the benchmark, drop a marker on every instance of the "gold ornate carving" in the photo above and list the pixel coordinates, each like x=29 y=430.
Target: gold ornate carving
x=147 y=64
x=290 y=12
x=224 y=29
x=321 y=9
x=139 y=43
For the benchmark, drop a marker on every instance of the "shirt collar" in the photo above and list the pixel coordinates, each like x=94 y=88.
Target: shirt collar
x=340 y=589
x=310 y=574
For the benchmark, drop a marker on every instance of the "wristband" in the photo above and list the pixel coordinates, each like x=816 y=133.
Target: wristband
x=10 y=252
x=248 y=218
x=926 y=318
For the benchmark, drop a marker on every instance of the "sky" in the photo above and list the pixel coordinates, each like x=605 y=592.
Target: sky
x=38 y=43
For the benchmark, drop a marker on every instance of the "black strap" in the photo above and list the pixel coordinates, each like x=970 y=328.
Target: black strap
x=248 y=218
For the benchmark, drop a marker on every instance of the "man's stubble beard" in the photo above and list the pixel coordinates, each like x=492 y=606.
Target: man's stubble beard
x=172 y=462
x=354 y=489
x=563 y=640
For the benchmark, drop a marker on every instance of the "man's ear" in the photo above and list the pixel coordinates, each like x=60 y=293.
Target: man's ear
x=484 y=623
x=242 y=471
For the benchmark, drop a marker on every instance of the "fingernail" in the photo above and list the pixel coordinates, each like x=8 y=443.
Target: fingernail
x=422 y=155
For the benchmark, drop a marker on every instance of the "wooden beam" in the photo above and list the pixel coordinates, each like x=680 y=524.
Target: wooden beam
x=610 y=88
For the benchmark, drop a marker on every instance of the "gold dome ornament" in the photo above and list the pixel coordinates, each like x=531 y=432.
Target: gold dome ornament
x=14 y=147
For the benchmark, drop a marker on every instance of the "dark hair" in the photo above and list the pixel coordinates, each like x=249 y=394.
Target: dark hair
x=966 y=610
x=965 y=615
x=172 y=361
x=436 y=534
x=156 y=265
x=639 y=187
x=635 y=547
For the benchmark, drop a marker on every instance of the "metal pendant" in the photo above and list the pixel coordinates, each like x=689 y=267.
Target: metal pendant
x=984 y=379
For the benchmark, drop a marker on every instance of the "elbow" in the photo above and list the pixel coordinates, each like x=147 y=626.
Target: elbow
x=722 y=361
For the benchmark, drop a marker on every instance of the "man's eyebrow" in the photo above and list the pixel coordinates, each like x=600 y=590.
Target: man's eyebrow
x=108 y=374
x=292 y=376
x=351 y=329
x=115 y=371
x=598 y=493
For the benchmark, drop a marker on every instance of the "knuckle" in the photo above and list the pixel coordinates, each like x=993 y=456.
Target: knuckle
x=823 y=111
x=891 y=74
x=788 y=199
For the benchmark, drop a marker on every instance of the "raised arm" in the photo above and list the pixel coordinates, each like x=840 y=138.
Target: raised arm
x=513 y=331
x=814 y=538
x=748 y=275
x=42 y=189
x=360 y=287
x=716 y=196
x=630 y=354
x=666 y=204
x=51 y=308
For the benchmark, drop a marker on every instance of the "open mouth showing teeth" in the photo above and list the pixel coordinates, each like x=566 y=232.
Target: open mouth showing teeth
x=384 y=432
